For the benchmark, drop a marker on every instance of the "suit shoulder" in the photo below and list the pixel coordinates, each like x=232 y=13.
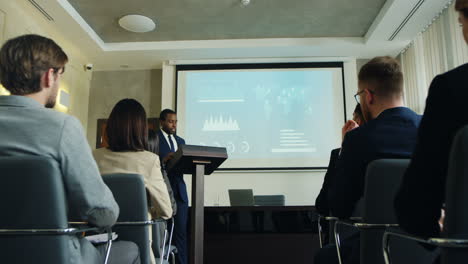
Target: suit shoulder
x=411 y=115
x=460 y=71
x=180 y=139
x=450 y=82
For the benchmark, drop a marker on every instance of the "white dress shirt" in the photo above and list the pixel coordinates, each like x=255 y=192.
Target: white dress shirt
x=174 y=141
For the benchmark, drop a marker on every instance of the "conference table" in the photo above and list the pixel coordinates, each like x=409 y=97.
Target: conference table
x=260 y=234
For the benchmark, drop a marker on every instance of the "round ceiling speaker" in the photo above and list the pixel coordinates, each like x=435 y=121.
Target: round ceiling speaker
x=137 y=23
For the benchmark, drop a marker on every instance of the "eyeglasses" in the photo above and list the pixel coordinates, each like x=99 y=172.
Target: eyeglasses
x=357 y=95
x=57 y=70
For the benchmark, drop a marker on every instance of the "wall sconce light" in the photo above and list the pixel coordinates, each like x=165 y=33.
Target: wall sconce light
x=64 y=99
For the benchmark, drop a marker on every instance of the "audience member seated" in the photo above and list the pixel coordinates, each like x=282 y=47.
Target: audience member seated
x=153 y=146
x=421 y=196
x=389 y=132
x=321 y=202
x=127 y=133
x=31 y=69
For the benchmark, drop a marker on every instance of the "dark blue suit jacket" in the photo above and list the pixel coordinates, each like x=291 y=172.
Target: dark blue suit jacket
x=391 y=135
x=321 y=202
x=176 y=179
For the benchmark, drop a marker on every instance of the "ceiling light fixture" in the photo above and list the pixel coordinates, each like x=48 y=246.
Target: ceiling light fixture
x=137 y=23
x=245 y=2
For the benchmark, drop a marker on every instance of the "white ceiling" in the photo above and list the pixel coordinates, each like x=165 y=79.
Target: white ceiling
x=150 y=54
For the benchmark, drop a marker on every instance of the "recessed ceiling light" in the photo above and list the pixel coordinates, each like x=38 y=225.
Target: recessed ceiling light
x=137 y=23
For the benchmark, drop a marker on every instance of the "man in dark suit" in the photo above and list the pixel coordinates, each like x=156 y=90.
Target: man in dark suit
x=321 y=202
x=422 y=192
x=390 y=131
x=169 y=142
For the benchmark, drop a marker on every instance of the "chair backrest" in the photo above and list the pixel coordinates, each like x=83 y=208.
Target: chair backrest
x=269 y=200
x=32 y=196
x=130 y=194
x=383 y=178
x=241 y=197
x=456 y=198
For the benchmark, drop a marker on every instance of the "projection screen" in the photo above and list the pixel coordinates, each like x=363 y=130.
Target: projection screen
x=268 y=116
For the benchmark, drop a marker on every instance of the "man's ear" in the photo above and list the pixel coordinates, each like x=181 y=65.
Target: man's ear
x=48 y=78
x=370 y=97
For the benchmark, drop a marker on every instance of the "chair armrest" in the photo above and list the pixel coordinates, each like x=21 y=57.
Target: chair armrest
x=75 y=228
x=84 y=227
x=40 y=231
x=356 y=223
x=138 y=223
x=434 y=241
x=331 y=222
x=327 y=217
x=134 y=223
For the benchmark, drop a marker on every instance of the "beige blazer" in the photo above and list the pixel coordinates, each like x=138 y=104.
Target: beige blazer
x=144 y=163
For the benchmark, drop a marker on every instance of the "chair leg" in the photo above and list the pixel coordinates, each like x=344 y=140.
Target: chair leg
x=386 y=248
x=337 y=243
x=170 y=239
x=319 y=227
x=163 y=252
x=172 y=257
x=108 y=249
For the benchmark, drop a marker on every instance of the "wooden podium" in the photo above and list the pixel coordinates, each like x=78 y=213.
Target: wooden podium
x=198 y=161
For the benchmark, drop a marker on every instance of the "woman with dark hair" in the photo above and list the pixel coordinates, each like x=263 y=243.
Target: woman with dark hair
x=127 y=133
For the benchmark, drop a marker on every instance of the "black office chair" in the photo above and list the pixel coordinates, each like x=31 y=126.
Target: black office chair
x=34 y=226
x=454 y=242
x=383 y=178
x=326 y=223
x=132 y=225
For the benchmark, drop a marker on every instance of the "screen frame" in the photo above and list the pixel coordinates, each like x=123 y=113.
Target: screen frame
x=253 y=66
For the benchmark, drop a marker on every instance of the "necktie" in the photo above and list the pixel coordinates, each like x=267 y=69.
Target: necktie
x=171 y=143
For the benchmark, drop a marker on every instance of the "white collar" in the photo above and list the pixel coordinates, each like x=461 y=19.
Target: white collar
x=166 y=134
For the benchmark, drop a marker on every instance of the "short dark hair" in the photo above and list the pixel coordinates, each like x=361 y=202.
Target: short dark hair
x=164 y=113
x=385 y=74
x=24 y=59
x=153 y=141
x=462 y=6
x=127 y=127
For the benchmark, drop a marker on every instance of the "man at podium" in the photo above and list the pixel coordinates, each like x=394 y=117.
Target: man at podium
x=169 y=142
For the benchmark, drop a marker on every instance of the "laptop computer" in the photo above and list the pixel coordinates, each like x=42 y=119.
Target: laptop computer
x=241 y=197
